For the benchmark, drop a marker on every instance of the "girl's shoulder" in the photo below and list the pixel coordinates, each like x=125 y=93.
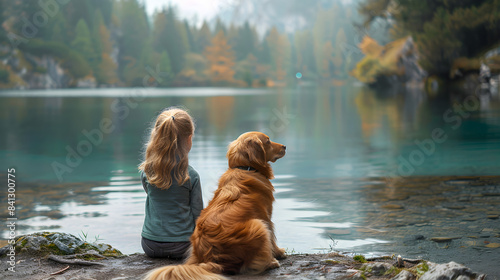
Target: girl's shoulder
x=193 y=174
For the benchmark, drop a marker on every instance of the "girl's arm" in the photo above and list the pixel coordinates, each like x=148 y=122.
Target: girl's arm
x=196 y=198
x=144 y=181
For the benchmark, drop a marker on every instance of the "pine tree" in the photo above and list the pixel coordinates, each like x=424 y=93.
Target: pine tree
x=204 y=37
x=169 y=34
x=221 y=59
x=219 y=26
x=82 y=42
x=165 y=69
x=190 y=36
x=245 y=43
x=135 y=29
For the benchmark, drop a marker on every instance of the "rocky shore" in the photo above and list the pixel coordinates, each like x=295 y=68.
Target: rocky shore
x=52 y=255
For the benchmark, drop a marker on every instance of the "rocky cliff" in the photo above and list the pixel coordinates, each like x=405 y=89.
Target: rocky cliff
x=27 y=71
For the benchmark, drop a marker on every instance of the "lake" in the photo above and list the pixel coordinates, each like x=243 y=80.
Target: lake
x=372 y=172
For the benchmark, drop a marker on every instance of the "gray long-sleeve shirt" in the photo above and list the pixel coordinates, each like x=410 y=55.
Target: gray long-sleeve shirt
x=171 y=214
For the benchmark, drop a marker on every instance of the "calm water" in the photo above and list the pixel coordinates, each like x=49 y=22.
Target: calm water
x=339 y=140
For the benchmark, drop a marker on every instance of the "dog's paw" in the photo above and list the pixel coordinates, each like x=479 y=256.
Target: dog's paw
x=274 y=264
x=280 y=254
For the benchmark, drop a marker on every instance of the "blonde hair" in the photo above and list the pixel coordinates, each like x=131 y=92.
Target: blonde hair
x=167 y=151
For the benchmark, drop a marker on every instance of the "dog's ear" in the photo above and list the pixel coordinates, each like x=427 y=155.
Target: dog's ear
x=246 y=152
x=255 y=150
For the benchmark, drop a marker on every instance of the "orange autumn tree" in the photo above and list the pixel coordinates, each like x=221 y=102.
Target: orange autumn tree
x=220 y=58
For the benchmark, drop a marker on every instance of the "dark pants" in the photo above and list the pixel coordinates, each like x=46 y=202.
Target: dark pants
x=173 y=250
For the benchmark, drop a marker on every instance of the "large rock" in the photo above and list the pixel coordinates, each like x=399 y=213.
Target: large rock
x=449 y=271
x=377 y=268
x=44 y=243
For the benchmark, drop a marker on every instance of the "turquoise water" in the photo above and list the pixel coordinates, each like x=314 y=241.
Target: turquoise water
x=76 y=153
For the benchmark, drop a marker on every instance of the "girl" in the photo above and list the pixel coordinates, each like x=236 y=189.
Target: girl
x=173 y=188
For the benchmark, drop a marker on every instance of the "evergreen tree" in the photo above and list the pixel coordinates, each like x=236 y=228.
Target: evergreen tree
x=96 y=31
x=219 y=26
x=170 y=35
x=57 y=30
x=3 y=33
x=190 y=37
x=82 y=42
x=204 y=37
x=165 y=69
x=135 y=29
x=245 y=43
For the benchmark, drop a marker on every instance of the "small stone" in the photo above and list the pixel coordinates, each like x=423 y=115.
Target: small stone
x=493 y=217
x=492 y=194
x=493 y=245
x=456 y=207
x=392 y=207
x=443 y=239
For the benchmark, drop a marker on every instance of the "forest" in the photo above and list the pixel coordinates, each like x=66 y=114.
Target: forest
x=116 y=43
x=108 y=43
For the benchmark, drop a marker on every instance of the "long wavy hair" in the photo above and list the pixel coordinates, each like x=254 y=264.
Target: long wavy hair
x=167 y=149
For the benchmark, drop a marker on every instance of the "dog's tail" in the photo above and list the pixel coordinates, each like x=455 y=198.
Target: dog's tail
x=201 y=271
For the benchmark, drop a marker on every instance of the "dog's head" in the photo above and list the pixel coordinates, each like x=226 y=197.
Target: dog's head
x=254 y=149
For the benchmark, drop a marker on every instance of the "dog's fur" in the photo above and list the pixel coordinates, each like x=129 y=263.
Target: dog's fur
x=235 y=234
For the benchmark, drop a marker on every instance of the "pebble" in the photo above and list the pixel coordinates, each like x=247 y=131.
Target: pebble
x=456 y=207
x=493 y=245
x=443 y=239
x=392 y=207
x=493 y=217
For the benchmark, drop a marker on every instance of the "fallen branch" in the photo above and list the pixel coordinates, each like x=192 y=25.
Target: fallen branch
x=79 y=262
x=60 y=271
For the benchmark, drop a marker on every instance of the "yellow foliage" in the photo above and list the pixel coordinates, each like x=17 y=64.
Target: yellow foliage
x=369 y=46
x=220 y=57
x=379 y=60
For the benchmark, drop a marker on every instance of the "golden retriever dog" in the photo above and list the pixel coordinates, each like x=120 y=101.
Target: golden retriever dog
x=234 y=233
